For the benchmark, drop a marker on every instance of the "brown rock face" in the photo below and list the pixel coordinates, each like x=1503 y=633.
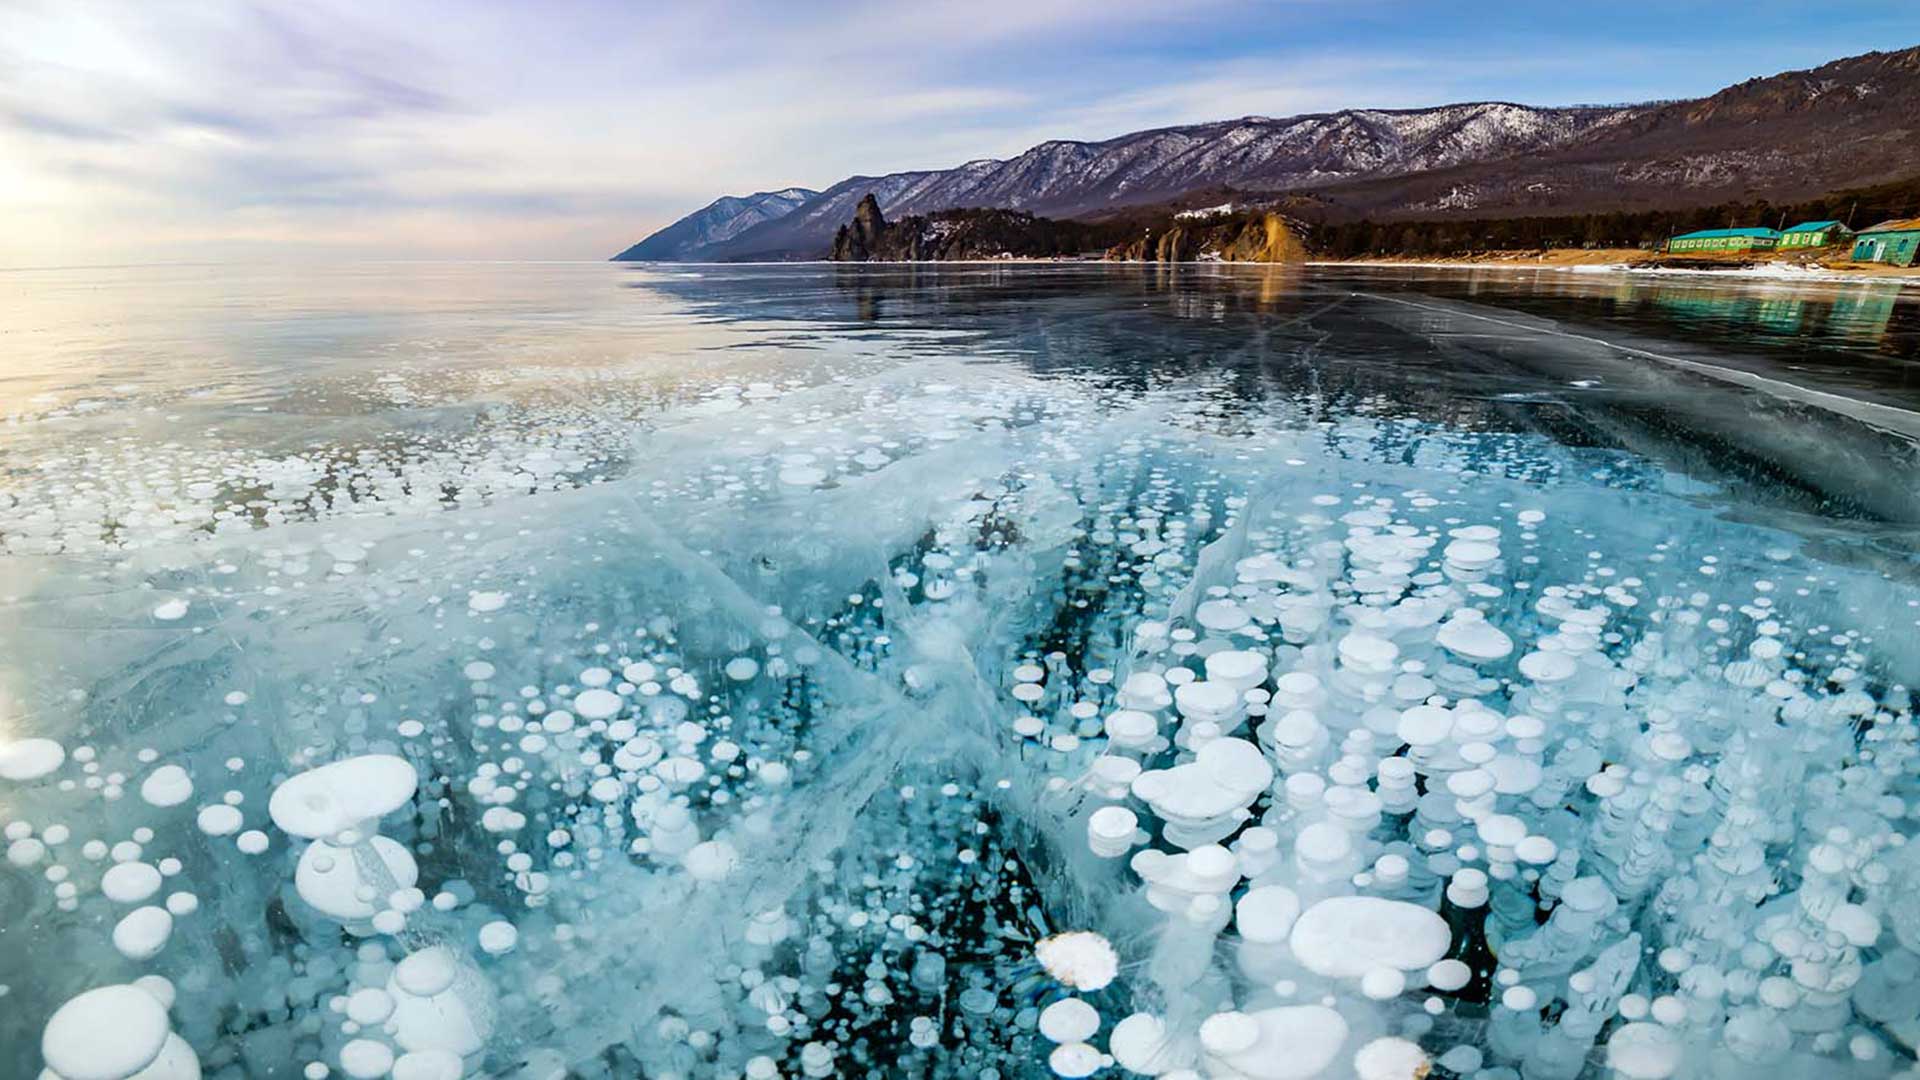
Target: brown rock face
x=1260 y=238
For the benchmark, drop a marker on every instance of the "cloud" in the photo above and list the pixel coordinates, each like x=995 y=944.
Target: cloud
x=184 y=128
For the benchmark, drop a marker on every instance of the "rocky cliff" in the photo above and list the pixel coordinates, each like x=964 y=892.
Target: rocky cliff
x=862 y=238
x=1264 y=237
x=963 y=234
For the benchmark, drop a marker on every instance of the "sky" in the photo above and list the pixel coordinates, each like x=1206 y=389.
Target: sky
x=211 y=130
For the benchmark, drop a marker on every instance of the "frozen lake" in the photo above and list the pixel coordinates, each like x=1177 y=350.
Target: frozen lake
x=440 y=670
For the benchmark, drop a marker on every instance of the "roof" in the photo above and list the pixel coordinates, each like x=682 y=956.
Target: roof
x=1896 y=225
x=1815 y=226
x=1717 y=234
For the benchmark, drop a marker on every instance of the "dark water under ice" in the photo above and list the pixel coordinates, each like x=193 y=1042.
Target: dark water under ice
x=754 y=637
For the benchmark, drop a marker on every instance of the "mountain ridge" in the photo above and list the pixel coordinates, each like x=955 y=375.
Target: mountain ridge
x=715 y=223
x=1799 y=132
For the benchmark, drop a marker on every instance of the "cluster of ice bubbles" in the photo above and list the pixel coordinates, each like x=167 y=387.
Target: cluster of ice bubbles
x=1131 y=773
x=106 y=497
x=1444 y=823
x=92 y=489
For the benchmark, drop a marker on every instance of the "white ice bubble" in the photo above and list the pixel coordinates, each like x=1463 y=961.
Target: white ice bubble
x=72 y=1044
x=1643 y=1051
x=1391 y=1058
x=25 y=851
x=332 y=798
x=1289 y=1042
x=219 y=820
x=168 y=785
x=1346 y=936
x=1383 y=984
x=30 y=759
x=498 y=938
x=1069 y=1020
x=711 y=860
x=1081 y=959
x=366 y=1059
x=130 y=882
x=426 y=972
x=596 y=704
x=428 y=1065
x=1266 y=914
x=1075 y=1060
x=1469 y=635
x=442 y=1020
x=369 y=1005
x=1141 y=1043
x=142 y=932
x=333 y=880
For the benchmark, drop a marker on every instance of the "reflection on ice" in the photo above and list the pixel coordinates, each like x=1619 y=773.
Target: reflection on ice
x=952 y=720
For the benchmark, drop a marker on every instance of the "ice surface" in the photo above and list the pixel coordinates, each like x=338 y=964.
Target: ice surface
x=928 y=709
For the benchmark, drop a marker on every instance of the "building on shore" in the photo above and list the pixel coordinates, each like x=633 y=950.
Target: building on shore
x=1755 y=239
x=1895 y=242
x=1814 y=234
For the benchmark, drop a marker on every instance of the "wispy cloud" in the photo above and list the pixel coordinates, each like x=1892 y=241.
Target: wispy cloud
x=446 y=128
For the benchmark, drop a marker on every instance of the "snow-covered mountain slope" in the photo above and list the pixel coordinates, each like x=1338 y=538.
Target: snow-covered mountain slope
x=1851 y=121
x=1797 y=135
x=1065 y=178
x=719 y=221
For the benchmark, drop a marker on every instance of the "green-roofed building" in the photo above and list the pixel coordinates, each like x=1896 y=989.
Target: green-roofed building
x=1895 y=242
x=1725 y=240
x=1814 y=234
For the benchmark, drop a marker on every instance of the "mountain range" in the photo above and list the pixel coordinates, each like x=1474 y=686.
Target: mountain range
x=1793 y=135
x=714 y=224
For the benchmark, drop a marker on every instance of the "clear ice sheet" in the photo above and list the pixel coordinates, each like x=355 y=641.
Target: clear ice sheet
x=763 y=709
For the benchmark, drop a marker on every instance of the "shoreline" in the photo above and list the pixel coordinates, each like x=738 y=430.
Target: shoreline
x=1772 y=271
x=1614 y=262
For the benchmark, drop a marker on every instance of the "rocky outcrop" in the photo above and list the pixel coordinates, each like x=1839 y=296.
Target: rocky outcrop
x=1239 y=238
x=861 y=239
x=965 y=234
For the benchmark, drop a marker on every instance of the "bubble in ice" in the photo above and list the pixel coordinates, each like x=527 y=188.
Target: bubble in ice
x=332 y=798
x=219 y=819
x=366 y=1059
x=1391 y=1058
x=498 y=938
x=343 y=883
x=1347 y=936
x=986 y=730
x=1075 y=1060
x=74 y=1043
x=711 y=860
x=596 y=704
x=168 y=785
x=30 y=759
x=1069 y=1020
x=130 y=882
x=141 y=933
x=1286 y=1042
x=1081 y=959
